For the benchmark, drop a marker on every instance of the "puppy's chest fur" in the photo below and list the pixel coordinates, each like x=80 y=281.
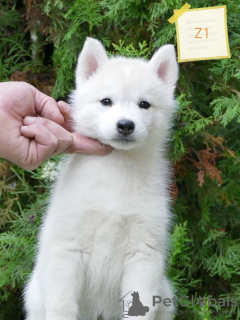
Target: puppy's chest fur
x=109 y=217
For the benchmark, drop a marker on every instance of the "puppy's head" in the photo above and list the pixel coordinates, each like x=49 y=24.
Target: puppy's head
x=124 y=102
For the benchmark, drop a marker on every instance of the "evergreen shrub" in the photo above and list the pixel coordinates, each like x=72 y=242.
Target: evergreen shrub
x=39 y=43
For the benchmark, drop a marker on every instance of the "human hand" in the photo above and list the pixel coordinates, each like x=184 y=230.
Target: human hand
x=34 y=127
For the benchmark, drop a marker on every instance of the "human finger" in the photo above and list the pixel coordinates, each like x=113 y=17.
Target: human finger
x=66 y=111
x=63 y=136
x=41 y=146
x=70 y=142
x=87 y=145
x=47 y=107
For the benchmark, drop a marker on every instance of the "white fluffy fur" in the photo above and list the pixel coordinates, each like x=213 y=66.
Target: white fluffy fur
x=105 y=232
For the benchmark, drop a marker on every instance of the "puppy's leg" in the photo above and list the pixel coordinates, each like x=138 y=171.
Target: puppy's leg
x=34 y=300
x=165 y=312
x=144 y=272
x=64 y=278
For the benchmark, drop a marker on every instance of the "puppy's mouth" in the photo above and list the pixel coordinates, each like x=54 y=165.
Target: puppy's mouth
x=124 y=140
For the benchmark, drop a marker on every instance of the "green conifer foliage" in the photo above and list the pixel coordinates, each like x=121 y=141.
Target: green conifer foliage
x=39 y=43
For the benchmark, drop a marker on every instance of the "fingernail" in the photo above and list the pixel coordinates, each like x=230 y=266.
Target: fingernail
x=106 y=147
x=64 y=106
x=29 y=119
x=24 y=127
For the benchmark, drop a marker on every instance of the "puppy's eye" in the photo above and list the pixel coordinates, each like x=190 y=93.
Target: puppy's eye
x=144 y=105
x=106 y=102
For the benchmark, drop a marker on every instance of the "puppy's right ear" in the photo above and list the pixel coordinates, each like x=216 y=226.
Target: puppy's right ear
x=164 y=64
x=92 y=57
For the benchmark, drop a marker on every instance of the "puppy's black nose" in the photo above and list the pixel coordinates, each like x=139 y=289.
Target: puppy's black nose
x=125 y=126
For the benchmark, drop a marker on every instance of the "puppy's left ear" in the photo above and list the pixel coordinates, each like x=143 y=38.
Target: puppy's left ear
x=92 y=57
x=164 y=63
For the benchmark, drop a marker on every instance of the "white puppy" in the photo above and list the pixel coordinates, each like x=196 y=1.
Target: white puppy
x=106 y=231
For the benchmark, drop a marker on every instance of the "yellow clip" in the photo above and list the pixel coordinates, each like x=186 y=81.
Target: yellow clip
x=179 y=12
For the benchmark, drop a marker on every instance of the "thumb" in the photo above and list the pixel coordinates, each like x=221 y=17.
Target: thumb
x=87 y=145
